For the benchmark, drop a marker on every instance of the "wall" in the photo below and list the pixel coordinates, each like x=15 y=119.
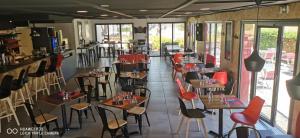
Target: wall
x=67 y=31
x=267 y=13
x=25 y=40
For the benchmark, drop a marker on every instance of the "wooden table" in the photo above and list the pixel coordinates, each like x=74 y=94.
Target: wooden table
x=96 y=76
x=127 y=104
x=229 y=102
x=132 y=75
x=57 y=100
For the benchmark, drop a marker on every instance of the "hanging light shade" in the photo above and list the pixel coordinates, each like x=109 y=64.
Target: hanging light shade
x=254 y=62
x=293 y=87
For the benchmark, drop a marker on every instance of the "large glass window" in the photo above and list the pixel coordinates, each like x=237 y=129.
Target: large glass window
x=119 y=33
x=165 y=36
x=213 y=40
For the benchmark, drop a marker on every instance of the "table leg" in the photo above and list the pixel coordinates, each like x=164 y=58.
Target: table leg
x=221 y=122
x=64 y=118
x=97 y=88
x=125 y=115
x=220 y=134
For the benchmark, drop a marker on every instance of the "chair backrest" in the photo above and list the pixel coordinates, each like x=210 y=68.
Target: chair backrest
x=143 y=92
x=102 y=112
x=53 y=63
x=189 y=66
x=5 y=87
x=243 y=132
x=41 y=69
x=26 y=79
x=191 y=76
x=107 y=70
x=182 y=107
x=59 y=59
x=181 y=88
x=254 y=108
x=21 y=78
x=31 y=114
x=81 y=83
x=210 y=59
x=209 y=65
x=221 y=77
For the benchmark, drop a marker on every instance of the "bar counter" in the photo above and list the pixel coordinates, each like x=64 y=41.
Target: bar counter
x=14 y=70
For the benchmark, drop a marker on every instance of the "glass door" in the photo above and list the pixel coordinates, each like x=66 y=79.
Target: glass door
x=154 y=39
x=178 y=34
x=289 y=43
x=166 y=37
x=267 y=45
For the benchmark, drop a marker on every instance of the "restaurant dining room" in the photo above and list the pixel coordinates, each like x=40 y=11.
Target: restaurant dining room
x=150 y=69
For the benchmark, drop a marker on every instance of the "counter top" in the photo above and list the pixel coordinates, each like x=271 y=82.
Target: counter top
x=7 y=68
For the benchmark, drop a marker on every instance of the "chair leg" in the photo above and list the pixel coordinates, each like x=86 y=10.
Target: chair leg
x=102 y=133
x=193 y=104
x=198 y=125
x=180 y=123
x=140 y=123
x=147 y=119
x=234 y=125
x=80 y=118
x=57 y=81
x=57 y=127
x=23 y=100
x=104 y=89
x=45 y=85
x=110 y=89
x=204 y=128
x=71 y=115
x=187 y=128
x=13 y=111
x=35 y=88
x=85 y=113
x=92 y=113
x=28 y=94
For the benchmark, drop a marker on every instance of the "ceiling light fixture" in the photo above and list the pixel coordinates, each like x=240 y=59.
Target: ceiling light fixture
x=104 y=15
x=104 y=5
x=82 y=11
x=204 y=9
x=188 y=13
x=115 y=16
x=144 y=10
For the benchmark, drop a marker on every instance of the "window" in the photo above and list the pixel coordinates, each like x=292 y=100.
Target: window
x=213 y=40
x=120 y=33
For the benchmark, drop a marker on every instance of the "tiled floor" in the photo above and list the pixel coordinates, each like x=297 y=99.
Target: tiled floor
x=162 y=111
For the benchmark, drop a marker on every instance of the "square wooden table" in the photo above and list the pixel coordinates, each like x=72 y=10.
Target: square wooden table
x=127 y=104
x=132 y=75
x=56 y=100
x=229 y=102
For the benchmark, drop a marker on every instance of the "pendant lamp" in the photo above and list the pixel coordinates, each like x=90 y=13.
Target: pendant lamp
x=254 y=62
x=293 y=87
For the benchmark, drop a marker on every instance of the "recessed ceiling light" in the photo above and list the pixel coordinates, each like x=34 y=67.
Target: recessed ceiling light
x=204 y=9
x=115 y=16
x=82 y=11
x=103 y=15
x=178 y=15
x=143 y=10
x=188 y=13
x=10 y=21
x=104 y=5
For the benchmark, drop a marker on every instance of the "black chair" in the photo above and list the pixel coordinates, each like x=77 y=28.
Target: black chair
x=83 y=107
x=18 y=98
x=191 y=114
x=126 y=84
x=106 y=81
x=52 y=77
x=39 y=76
x=243 y=132
x=41 y=120
x=209 y=65
x=118 y=72
x=113 y=125
x=191 y=76
x=138 y=111
x=83 y=83
x=5 y=92
x=229 y=87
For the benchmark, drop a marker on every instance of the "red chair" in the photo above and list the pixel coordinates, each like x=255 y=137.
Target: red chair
x=189 y=66
x=188 y=96
x=250 y=115
x=221 y=77
x=177 y=68
x=210 y=59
